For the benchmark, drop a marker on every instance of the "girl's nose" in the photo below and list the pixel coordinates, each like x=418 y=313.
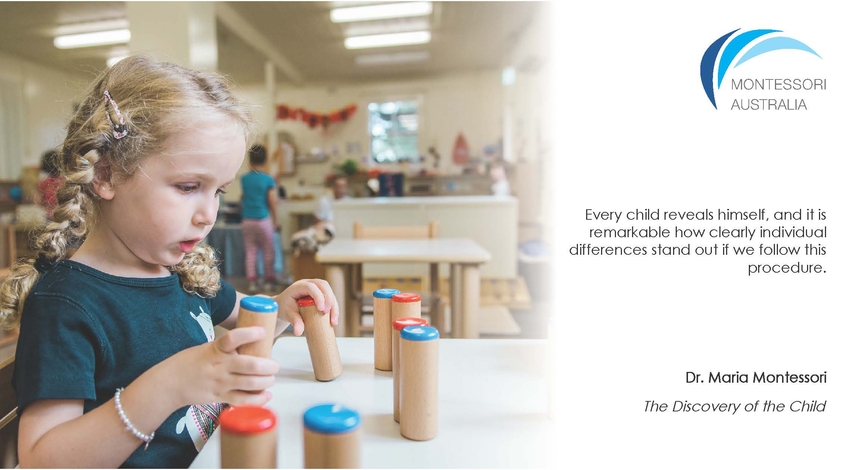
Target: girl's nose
x=207 y=212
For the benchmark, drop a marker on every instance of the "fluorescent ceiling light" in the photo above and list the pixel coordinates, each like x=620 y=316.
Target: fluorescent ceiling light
x=380 y=12
x=88 y=27
x=386 y=27
x=101 y=38
x=398 y=58
x=386 y=40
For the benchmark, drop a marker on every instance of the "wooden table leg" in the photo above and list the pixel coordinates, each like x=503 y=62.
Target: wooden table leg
x=353 y=305
x=438 y=319
x=456 y=287
x=470 y=299
x=355 y=296
x=336 y=278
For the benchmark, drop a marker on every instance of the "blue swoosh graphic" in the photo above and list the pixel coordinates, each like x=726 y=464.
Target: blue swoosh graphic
x=774 y=44
x=735 y=46
x=706 y=66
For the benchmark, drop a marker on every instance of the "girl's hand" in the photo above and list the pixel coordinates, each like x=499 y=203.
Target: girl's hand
x=215 y=373
x=319 y=290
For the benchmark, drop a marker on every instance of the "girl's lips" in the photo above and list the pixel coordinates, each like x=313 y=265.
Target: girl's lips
x=186 y=246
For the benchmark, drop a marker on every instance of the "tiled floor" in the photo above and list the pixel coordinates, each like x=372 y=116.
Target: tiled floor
x=532 y=322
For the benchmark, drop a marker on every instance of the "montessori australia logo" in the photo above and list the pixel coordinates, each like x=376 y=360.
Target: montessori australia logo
x=775 y=93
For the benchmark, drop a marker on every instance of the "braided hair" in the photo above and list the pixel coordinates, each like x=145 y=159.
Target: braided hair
x=156 y=100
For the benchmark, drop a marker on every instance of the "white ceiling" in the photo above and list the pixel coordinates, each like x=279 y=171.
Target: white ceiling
x=466 y=36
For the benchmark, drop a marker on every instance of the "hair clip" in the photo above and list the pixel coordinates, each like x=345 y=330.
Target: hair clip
x=119 y=130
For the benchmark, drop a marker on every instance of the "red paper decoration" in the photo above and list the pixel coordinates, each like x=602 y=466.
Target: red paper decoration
x=460 y=154
x=314 y=119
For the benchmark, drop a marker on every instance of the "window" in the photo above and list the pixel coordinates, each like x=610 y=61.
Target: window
x=394 y=127
x=11 y=128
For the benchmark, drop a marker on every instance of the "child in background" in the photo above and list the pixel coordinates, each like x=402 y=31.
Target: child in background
x=500 y=186
x=48 y=187
x=259 y=218
x=117 y=363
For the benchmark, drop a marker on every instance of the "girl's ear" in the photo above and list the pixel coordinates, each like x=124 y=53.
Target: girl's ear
x=102 y=182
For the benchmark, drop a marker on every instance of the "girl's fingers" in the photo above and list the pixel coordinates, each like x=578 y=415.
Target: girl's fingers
x=313 y=290
x=251 y=365
x=319 y=288
x=297 y=324
x=331 y=305
x=240 y=398
x=252 y=383
x=236 y=337
x=322 y=295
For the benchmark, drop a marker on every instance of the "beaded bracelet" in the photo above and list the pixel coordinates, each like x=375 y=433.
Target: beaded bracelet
x=147 y=439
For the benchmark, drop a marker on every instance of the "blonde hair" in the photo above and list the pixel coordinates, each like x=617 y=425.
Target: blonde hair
x=156 y=100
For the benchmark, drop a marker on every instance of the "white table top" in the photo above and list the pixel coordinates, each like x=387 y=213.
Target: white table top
x=429 y=250
x=425 y=200
x=492 y=409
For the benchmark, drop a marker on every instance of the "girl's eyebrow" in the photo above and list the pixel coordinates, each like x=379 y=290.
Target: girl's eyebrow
x=199 y=175
x=203 y=176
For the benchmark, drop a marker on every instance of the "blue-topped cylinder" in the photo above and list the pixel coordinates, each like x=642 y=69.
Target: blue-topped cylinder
x=382 y=302
x=419 y=363
x=331 y=419
x=331 y=437
x=257 y=311
x=385 y=293
x=259 y=304
x=420 y=333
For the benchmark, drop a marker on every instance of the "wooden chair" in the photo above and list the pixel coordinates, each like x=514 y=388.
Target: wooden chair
x=8 y=248
x=8 y=416
x=431 y=304
x=432 y=230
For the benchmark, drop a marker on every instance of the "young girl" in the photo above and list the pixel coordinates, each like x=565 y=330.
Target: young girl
x=117 y=364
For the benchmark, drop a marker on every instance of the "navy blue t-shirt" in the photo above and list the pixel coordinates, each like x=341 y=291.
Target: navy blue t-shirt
x=85 y=333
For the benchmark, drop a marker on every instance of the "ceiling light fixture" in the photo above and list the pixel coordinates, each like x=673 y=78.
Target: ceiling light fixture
x=369 y=28
x=398 y=58
x=87 y=27
x=381 y=12
x=386 y=40
x=100 y=38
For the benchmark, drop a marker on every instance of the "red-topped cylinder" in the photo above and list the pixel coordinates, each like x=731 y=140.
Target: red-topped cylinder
x=321 y=340
x=248 y=437
x=398 y=325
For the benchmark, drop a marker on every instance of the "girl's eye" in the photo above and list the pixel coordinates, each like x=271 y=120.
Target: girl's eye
x=186 y=188
x=220 y=191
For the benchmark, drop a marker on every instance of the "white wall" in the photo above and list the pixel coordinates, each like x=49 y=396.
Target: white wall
x=531 y=132
x=49 y=96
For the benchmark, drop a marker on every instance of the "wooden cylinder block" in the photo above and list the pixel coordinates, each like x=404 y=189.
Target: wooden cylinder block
x=321 y=341
x=419 y=356
x=258 y=311
x=331 y=437
x=398 y=325
x=407 y=305
x=248 y=437
x=382 y=300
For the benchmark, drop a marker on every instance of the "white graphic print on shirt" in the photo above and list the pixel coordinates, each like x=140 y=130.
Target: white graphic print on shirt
x=201 y=420
x=205 y=321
